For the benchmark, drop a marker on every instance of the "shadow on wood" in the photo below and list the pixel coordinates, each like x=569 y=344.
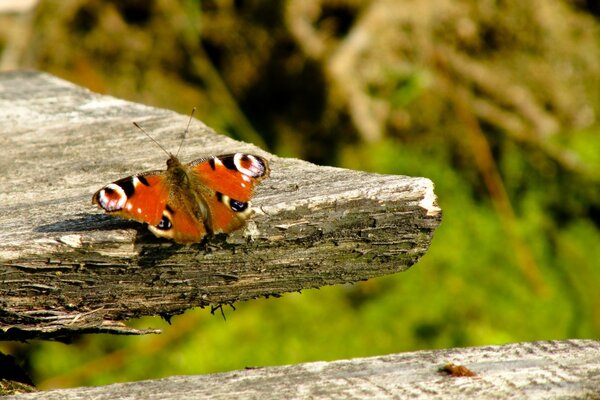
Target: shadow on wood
x=67 y=268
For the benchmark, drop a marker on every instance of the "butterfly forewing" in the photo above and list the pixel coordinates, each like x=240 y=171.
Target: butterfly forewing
x=234 y=175
x=139 y=197
x=231 y=179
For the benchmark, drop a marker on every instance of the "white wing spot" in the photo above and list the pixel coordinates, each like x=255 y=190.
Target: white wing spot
x=112 y=204
x=255 y=169
x=139 y=210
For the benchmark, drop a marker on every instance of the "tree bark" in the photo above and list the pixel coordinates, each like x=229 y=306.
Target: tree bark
x=67 y=268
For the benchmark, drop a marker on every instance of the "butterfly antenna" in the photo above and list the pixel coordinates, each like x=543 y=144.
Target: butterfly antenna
x=151 y=138
x=186 y=130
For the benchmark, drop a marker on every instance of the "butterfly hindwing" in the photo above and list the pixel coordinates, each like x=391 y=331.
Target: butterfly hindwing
x=179 y=225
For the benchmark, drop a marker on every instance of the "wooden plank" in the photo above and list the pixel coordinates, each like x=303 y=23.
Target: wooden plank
x=66 y=268
x=540 y=370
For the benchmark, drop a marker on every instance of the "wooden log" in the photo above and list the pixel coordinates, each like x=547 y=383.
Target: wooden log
x=67 y=268
x=540 y=370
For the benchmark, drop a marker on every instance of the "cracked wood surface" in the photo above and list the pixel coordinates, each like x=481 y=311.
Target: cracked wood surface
x=568 y=369
x=67 y=268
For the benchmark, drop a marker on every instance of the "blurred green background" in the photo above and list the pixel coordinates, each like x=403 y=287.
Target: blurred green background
x=497 y=102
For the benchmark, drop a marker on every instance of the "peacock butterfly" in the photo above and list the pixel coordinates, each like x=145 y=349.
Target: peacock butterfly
x=186 y=202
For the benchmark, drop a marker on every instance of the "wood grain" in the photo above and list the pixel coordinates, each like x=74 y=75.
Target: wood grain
x=66 y=268
x=539 y=370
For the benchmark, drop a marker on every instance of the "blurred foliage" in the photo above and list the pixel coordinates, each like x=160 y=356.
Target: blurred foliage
x=496 y=101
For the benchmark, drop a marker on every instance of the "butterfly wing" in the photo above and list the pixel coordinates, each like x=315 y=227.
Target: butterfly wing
x=145 y=198
x=184 y=202
x=227 y=184
x=138 y=197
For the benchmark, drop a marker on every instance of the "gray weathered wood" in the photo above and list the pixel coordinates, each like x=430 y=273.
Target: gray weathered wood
x=539 y=370
x=67 y=268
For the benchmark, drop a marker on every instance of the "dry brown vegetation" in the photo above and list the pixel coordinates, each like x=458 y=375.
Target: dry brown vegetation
x=311 y=73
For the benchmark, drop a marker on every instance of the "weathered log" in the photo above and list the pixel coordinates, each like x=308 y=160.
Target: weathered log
x=67 y=268
x=539 y=370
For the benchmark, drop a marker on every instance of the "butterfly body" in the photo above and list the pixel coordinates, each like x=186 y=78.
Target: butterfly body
x=186 y=202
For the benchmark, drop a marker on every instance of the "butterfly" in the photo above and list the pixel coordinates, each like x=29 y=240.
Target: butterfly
x=186 y=202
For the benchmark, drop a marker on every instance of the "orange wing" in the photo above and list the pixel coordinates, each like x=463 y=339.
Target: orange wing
x=144 y=198
x=231 y=179
x=234 y=175
x=139 y=197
